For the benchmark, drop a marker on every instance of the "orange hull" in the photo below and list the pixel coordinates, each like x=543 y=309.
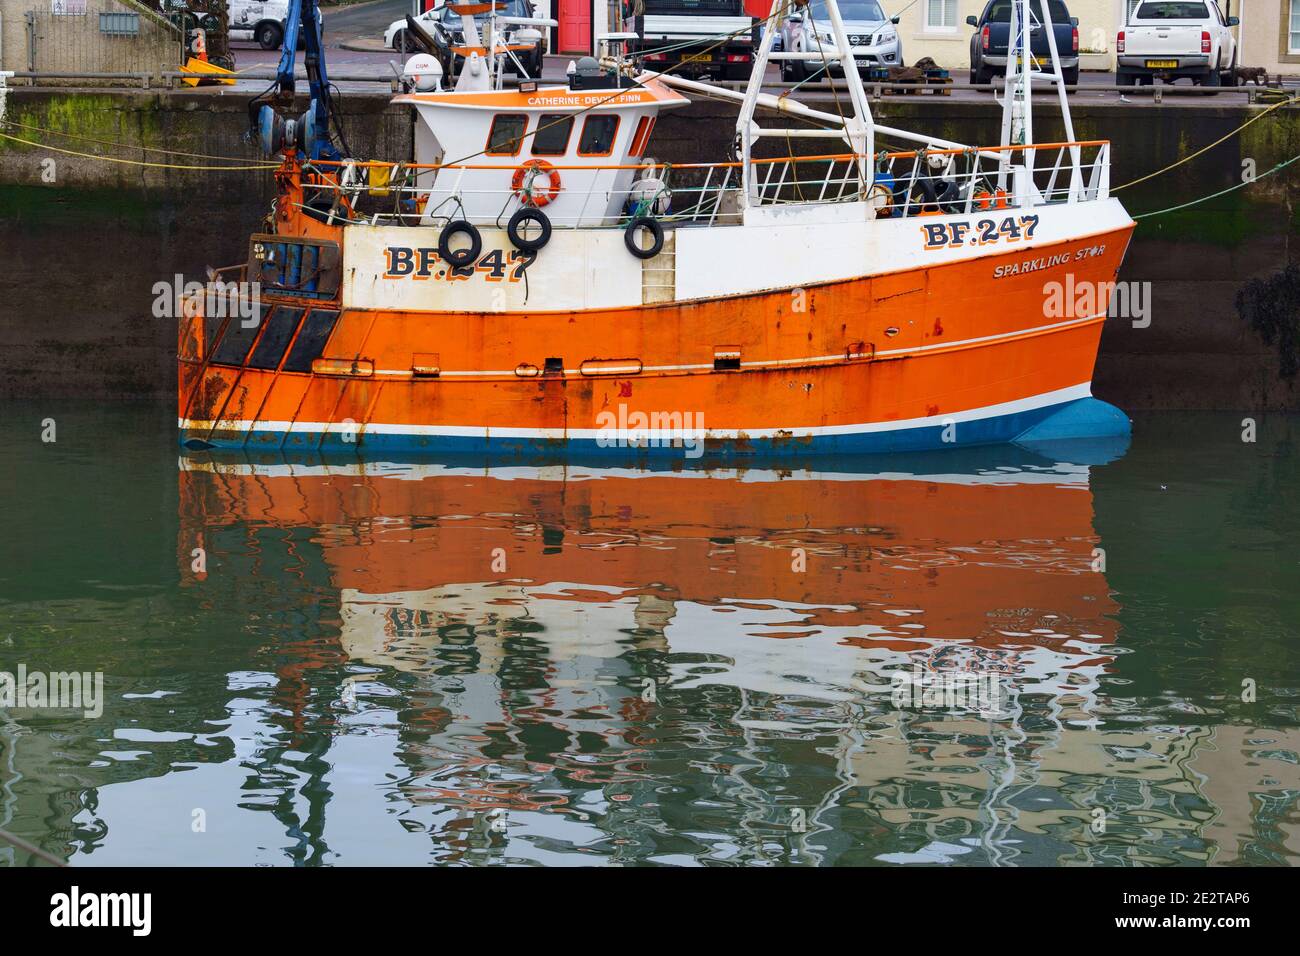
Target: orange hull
x=955 y=352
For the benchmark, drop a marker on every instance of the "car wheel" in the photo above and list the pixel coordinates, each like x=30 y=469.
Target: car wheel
x=269 y=36
x=982 y=75
x=1071 y=76
x=1230 y=74
x=1125 y=79
x=399 y=41
x=1211 y=81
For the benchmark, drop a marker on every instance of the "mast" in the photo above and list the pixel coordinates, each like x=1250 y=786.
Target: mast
x=1017 y=103
x=858 y=129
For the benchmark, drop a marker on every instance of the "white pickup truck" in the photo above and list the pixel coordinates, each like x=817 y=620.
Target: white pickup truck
x=1173 y=38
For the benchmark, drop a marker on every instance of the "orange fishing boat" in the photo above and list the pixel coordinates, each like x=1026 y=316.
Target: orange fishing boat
x=534 y=279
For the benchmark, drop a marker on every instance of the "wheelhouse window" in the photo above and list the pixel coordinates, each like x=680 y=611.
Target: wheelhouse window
x=507 y=134
x=642 y=136
x=598 y=136
x=552 y=136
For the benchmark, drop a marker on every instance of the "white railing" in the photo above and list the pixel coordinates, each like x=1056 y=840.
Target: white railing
x=906 y=183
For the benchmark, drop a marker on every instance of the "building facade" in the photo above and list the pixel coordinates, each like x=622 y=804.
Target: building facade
x=86 y=36
x=938 y=29
x=580 y=22
x=1269 y=35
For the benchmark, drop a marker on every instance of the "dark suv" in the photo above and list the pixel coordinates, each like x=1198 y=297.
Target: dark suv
x=988 y=45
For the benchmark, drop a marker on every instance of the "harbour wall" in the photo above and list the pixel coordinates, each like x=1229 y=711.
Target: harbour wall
x=84 y=241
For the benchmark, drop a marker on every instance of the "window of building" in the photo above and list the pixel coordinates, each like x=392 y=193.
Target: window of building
x=941 y=15
x=119 y=24
x=507 y=134
x=1293 y=28
x=552 y=136
x=598 y=136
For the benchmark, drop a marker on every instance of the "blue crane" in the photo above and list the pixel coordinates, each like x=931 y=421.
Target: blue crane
x=273 y=123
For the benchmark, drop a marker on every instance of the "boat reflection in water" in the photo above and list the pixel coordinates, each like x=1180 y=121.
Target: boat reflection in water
x=567 y=663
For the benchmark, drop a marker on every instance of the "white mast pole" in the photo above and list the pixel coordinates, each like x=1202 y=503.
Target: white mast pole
x=859 y=129
x=746 y=128
x=1076 y=175
x=861 y=132
x=1017 y=103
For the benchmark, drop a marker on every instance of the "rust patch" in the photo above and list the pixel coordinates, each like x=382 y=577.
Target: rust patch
x=214 y=386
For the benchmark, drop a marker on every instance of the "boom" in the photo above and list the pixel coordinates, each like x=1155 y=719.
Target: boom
x=273 y=123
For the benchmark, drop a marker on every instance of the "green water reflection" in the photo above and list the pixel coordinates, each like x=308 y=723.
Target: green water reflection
x=454 y=664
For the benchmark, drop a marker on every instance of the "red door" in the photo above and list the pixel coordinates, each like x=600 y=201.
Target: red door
x=575 y=26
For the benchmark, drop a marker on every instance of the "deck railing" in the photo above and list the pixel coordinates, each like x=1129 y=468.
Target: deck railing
x=907 y=183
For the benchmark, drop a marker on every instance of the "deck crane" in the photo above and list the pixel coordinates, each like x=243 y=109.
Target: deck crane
x=274 y=124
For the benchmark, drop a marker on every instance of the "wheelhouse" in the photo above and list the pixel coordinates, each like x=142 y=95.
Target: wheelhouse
x=481 y=155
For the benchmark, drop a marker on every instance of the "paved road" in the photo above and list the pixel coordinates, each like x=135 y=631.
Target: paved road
x=362 y=21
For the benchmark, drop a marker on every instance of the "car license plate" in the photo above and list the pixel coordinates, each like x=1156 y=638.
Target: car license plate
x=1162 y=64
x=697 y=58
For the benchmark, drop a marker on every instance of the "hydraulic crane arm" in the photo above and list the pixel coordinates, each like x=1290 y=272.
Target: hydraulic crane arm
x=274 y=123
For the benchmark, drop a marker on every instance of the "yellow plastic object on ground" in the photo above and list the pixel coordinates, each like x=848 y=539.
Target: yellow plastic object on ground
x=195 y=65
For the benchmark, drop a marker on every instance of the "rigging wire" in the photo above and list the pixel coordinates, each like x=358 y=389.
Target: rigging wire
x=1221 y=192
x=147 y=149
x=1258 y=116
x=134 y=162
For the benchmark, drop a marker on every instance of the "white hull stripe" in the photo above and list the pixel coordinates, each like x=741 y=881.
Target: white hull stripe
x=1057 y=397
x=1060 y=475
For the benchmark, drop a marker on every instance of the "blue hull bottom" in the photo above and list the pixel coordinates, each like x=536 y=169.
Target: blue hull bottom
x=1083 y=418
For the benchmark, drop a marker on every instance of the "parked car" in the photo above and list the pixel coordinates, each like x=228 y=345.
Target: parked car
x=442 y=19
x=262 y=21
x=988 y=45
x=1174 y=38
x=872 y=38
x=709 y=38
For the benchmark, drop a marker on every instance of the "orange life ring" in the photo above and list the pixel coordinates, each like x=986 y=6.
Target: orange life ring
x=527 y=195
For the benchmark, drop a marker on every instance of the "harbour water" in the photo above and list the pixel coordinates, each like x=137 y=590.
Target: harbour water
x=327 y=663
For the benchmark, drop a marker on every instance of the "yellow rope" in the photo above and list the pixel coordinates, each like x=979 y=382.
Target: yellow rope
x=132 y=162
x=104 y=142
x=1258 y=116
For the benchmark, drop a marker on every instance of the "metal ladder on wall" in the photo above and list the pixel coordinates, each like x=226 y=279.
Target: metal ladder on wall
x=659 y=275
